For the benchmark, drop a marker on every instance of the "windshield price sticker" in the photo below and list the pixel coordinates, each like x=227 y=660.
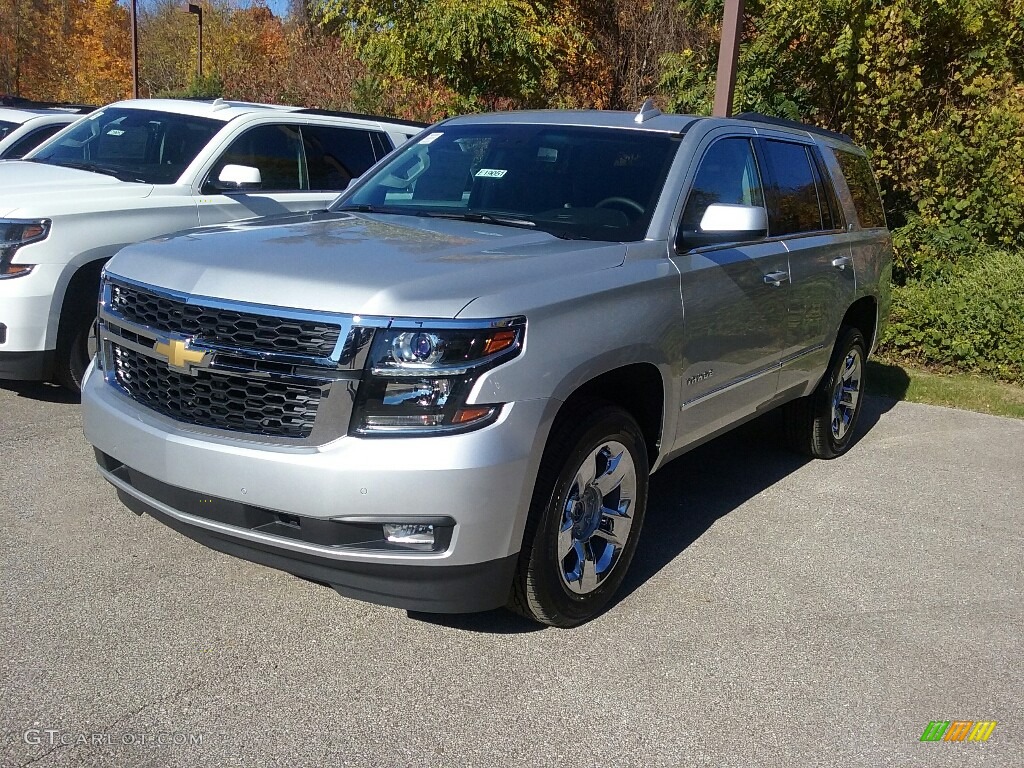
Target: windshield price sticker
x=491 y=173
x=431 y=138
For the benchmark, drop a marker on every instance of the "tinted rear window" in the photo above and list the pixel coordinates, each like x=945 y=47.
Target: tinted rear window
x=335 y=156
x=866 y=199
x=794 y=205
x=6 y=127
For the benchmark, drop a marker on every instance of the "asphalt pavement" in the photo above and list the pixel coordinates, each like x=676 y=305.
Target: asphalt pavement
x=779 y=612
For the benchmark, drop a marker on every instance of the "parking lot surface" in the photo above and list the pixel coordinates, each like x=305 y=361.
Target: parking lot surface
x=779 y=612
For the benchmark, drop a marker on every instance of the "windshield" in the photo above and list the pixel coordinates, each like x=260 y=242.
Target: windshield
x=6 y=127
x=573 y=182
x=131 y=144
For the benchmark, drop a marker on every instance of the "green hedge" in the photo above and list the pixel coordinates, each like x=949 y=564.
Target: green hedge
x=967 y=317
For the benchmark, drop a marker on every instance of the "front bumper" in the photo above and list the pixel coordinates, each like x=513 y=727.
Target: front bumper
x=483 y=481
x=26 y=324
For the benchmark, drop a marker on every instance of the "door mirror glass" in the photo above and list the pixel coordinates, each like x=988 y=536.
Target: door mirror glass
x=238 y=177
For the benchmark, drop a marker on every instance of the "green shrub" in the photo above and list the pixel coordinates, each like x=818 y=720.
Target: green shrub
x=968 y=317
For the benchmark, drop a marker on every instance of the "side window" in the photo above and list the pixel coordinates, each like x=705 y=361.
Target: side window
x=335 y=156
x=727 y=174
x=866 y=199
x=30 y=141
x=275 y=149
x=793 y=194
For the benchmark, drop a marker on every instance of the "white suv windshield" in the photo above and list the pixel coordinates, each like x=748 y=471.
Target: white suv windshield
x=573 y=182
x=132 y=144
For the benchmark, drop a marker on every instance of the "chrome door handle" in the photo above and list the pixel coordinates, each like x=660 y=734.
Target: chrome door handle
x=776 y=278
x=842 y=262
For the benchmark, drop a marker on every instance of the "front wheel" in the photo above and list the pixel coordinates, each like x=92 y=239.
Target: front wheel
x=76 y=334
x=821 y=425
x=585 y=519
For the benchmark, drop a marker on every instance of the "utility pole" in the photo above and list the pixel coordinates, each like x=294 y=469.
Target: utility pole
x=198 y=11
x=135 y=50
x=728 y=54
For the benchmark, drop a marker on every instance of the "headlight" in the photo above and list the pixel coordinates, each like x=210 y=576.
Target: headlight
x=15 y=233
x=418 y=378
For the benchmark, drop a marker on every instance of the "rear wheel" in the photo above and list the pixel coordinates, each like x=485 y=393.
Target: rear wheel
x=822 y=424
x=585 y=519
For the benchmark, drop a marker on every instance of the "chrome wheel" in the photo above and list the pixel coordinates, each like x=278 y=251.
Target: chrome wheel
x=847 y=392
x=596 y=518
x=92 y=343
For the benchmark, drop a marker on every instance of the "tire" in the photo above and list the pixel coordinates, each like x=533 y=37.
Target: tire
x=582 y=529
x=822 y=424
x=76 y=334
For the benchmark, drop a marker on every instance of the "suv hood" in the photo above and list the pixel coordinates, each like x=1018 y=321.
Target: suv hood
x=367 y=264
x=29 y=187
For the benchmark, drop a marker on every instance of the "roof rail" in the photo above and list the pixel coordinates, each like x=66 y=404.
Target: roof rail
x=756 y=117
x=359 y=116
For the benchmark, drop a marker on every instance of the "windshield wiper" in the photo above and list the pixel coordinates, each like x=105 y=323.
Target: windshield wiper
x=120 y=175
x=365 y=208
x=359 y=209
x=484 y=218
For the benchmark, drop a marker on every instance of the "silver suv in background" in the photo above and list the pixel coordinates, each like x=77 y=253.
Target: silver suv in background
x=447 y=392
x=143 y=168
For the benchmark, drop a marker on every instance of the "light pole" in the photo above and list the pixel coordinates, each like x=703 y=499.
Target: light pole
x=728 y=53
x=198 y=11
x=135 y=51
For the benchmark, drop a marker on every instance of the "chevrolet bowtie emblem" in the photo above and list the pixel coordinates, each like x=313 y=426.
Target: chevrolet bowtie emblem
x=179 y=356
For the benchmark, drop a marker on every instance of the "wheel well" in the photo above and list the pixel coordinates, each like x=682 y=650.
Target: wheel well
x=83 y=286
x=863 y=314
x=637 y=389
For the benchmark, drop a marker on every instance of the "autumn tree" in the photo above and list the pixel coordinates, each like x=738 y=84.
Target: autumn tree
x=66 y=50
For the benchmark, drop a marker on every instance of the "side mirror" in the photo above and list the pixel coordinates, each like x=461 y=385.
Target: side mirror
x=724 y=223
x=238 y=178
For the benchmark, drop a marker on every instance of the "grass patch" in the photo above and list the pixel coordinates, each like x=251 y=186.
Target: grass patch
x=971 y=393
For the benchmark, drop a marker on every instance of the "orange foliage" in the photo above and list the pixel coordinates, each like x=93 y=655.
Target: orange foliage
x=66 y=50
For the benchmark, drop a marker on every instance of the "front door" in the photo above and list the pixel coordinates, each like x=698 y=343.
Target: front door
x=734 y=301
x=277 y=151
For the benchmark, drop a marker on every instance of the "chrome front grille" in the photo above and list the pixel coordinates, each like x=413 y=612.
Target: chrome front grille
x=263 y=372
x=253 y=406
x=218 y=325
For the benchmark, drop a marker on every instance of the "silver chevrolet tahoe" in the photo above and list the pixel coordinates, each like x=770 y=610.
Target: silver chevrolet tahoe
x=447 y=392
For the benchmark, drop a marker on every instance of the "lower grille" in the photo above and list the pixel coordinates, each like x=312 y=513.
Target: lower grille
x=236 y=403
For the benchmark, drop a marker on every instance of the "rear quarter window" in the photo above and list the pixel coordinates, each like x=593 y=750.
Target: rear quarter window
x=863 y=188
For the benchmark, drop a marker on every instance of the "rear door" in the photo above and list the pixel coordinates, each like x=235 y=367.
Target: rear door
x=804 y=211
x=733 y=317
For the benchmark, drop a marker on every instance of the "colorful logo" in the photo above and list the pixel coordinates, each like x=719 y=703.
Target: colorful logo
x=958 y=730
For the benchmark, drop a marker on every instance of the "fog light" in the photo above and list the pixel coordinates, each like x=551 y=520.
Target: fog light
x=406 y=533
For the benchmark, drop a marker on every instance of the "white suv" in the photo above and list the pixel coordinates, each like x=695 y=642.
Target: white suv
x=27 y=125
x=143 y=168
